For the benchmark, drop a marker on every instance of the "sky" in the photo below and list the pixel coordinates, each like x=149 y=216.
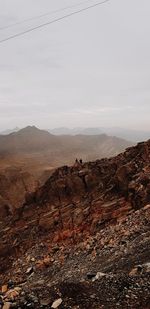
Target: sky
x=89 y=70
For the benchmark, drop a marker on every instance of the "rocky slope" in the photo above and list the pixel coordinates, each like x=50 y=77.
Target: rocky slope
x=83 y=238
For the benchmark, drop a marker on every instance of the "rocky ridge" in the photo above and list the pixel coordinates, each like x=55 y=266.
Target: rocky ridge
x=84 y=236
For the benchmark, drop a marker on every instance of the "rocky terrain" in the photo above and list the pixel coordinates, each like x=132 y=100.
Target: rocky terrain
x=82 y=240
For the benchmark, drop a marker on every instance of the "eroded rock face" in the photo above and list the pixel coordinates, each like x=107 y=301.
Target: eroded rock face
x=14 y=186
x=80 y=200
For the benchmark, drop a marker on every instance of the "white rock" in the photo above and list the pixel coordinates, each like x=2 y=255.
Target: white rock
x=98 y=276
x=56 y=303
x=29 y=270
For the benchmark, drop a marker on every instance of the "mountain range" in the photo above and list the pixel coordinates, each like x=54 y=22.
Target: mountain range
x=127 y=134
x=33 y=140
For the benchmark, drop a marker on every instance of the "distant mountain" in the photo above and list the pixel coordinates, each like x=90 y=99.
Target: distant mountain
x=29 y=139
x=128 y=134
x=89 y=147
x=76 y=131
x=9 y=131
x=132 y=135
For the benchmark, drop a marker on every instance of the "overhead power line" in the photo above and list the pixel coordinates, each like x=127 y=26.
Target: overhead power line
x=52 y=21
x=43 y=15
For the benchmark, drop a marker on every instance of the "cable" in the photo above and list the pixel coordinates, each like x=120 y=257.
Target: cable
x=53 y=21
x=43 y=15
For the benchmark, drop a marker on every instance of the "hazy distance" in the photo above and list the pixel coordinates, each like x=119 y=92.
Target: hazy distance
x=90 y=70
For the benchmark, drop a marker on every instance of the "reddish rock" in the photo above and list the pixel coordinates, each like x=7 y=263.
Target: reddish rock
x=79 y=201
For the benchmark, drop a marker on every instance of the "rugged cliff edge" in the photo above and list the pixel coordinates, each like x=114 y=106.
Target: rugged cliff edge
x=86 y=220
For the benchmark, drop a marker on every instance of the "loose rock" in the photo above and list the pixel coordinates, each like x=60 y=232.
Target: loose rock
x=56 y=303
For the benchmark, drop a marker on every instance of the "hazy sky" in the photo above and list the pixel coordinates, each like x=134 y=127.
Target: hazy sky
x=92 y=69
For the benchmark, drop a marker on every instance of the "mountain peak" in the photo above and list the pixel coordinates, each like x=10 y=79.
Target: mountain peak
x=30 y=129
x=33 y=131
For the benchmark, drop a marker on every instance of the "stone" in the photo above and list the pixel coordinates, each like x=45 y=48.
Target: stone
x=147 y=207
x=18 y=289
x=98 y=276
x=29 y=271
x=4 y=288
x=7 y=305
x=12 y=294
x=32 y=259
x=56 y=303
